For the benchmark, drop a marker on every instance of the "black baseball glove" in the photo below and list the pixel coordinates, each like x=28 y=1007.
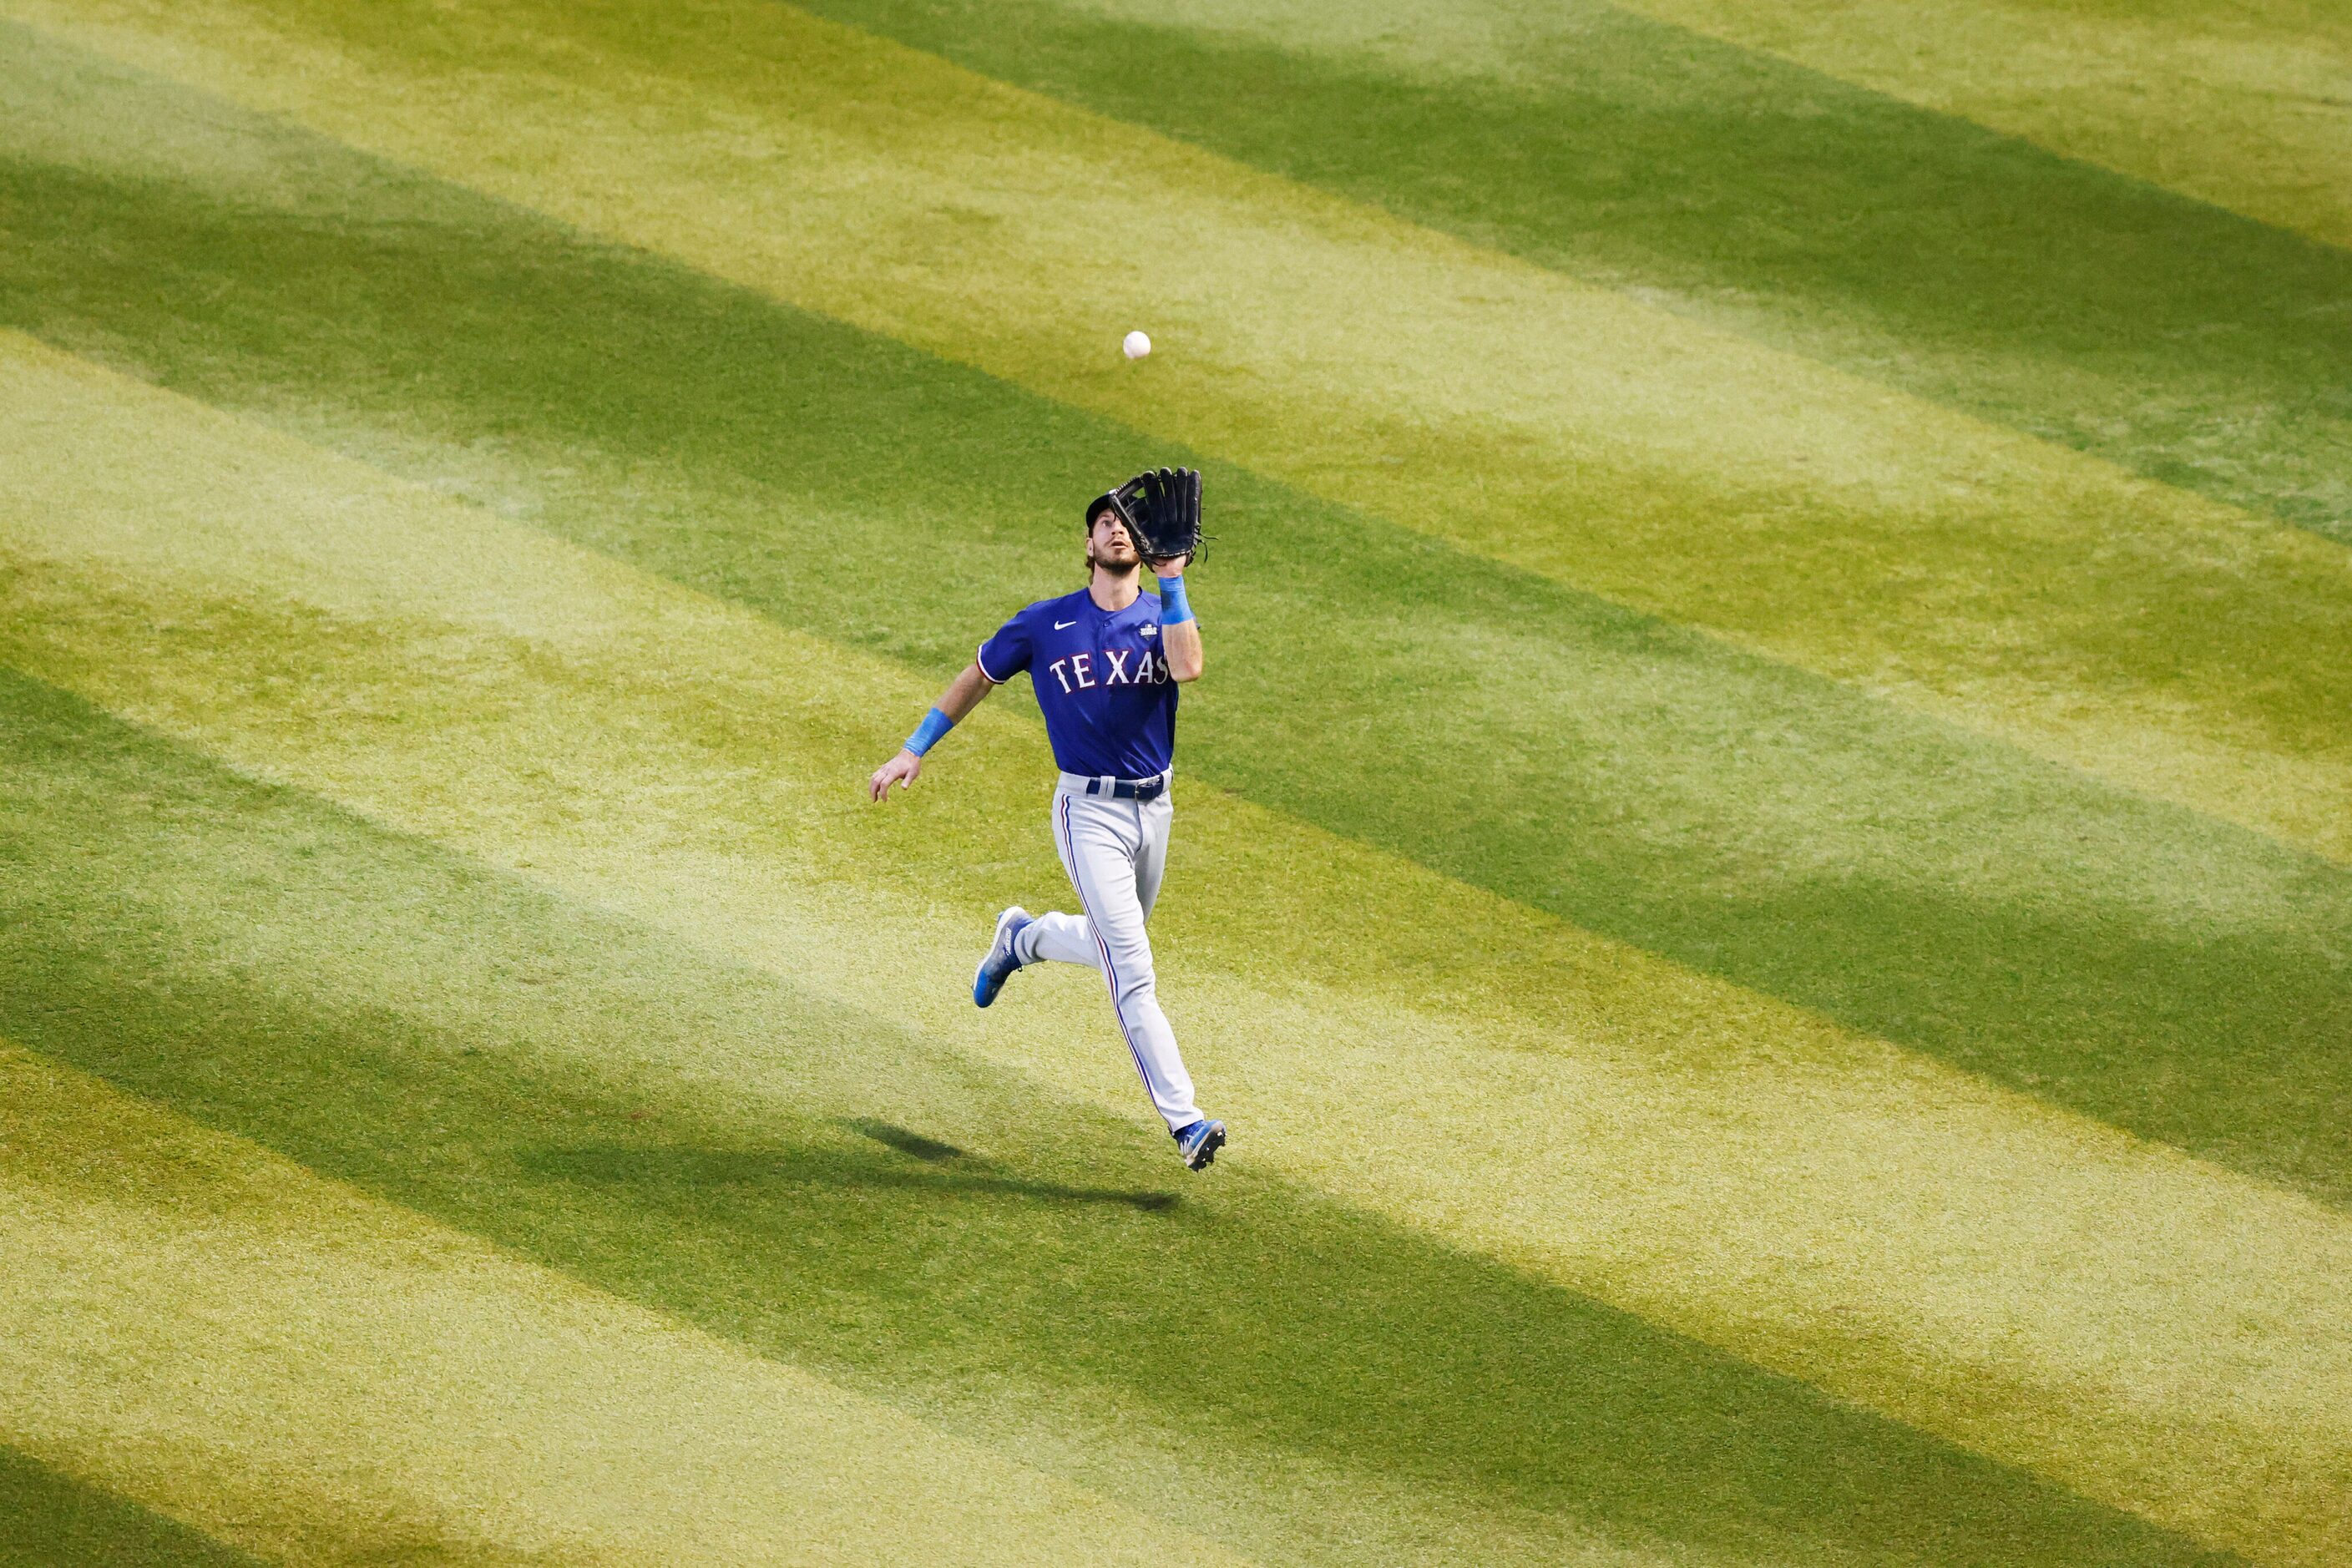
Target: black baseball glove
x=1161 y=508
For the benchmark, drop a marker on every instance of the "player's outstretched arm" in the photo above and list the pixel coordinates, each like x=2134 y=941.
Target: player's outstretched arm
x=962 y=695
x=1180 y=638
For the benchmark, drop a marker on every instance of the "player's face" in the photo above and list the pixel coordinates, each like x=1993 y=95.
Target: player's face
x=1108 y=544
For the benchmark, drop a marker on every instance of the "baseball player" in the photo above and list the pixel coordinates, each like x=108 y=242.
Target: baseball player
x=1106 y=662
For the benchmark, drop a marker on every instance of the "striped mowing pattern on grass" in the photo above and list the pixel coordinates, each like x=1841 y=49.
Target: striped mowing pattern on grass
x=2182 y=979
x=2150 y=1331
x=1901 y=245
x=2236 y=104
x=2177 y=647
x=322 y=1377
x=704 y=1140
x=2239 y=104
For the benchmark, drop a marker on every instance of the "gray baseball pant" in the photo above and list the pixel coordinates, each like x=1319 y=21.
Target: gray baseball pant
x=1115 y=851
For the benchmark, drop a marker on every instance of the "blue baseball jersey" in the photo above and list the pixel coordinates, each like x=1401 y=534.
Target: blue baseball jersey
x=1101 y=679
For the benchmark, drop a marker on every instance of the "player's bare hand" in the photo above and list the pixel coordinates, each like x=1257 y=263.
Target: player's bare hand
x=900 y=770
x=1172 y=566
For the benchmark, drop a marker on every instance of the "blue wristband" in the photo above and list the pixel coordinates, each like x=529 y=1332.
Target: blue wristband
x=927 y=734
x=1173 y=610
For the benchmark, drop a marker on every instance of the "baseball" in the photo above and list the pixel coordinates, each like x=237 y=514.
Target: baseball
x=1137 y=345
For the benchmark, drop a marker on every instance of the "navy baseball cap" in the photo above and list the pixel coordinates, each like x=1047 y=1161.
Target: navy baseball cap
x=1107 y=498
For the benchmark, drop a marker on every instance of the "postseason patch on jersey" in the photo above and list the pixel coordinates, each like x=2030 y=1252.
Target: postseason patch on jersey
x=1101 y=681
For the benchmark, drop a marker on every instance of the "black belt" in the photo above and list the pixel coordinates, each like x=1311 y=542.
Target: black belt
x=1129 y=789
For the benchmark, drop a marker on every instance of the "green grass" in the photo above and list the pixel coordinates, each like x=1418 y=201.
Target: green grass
x=2113 y=84
x=320 y=1376
x=551 y=1092
x=49 y=1521
x=2141 y=1326
x=1911 y=248
x=1674 y=1017
x=1740 y=818
x=2155 y=639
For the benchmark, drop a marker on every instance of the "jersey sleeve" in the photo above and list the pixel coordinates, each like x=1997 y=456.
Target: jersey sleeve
x=1006 y=653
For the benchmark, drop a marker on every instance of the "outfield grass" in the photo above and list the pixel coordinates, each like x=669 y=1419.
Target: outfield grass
x=2175 y=648
x=1979 y=271
x=49 y=1522
x=350 y=1382
x=1902 y=876
x=1776 y=941
x=468 y=680
x=700 y=1139
x=2110 y=83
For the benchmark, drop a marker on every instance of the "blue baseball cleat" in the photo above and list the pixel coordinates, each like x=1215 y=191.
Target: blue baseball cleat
x=1199 y=1141
x=999 y=963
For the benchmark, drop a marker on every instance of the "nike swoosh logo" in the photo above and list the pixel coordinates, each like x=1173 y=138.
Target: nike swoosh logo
x=1064 y=625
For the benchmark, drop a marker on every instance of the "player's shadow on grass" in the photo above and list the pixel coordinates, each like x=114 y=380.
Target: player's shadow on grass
x=946 y=1171
x=908 y=1141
